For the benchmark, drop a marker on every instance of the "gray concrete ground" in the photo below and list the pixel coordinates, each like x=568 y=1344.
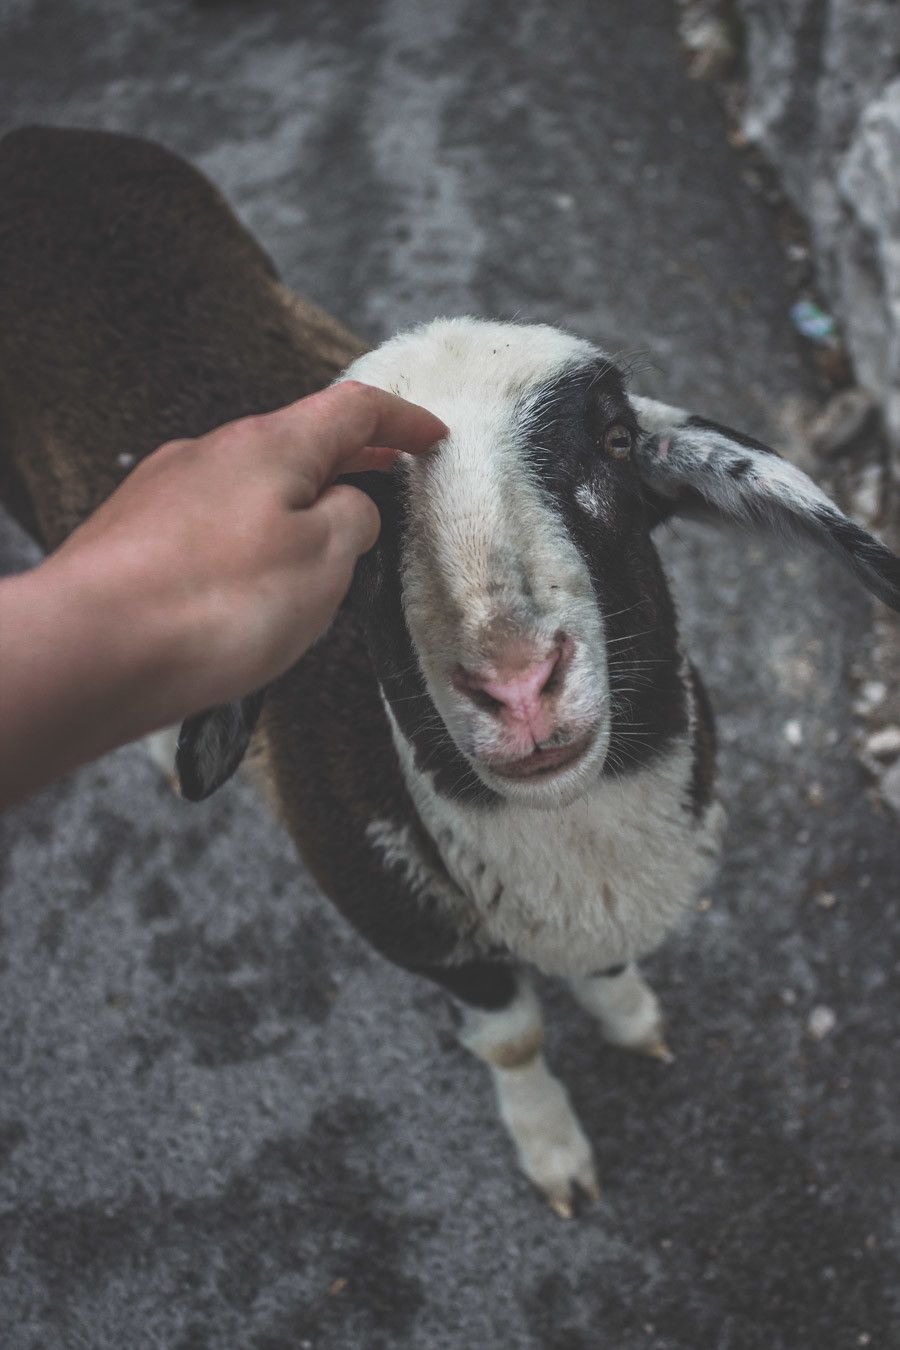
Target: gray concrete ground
x=224 y=1122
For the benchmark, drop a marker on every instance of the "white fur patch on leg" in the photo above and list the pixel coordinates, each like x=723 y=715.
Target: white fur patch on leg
x=626 y=1008
x=534 y=1106
x=552 y=1148
x=507 y=1038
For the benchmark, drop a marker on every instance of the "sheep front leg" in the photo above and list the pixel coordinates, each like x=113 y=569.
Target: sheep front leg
x=626 y=1008
x=534 y=1106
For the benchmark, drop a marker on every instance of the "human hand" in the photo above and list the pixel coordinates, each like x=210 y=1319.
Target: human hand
x=237 y=547
x=207 y=573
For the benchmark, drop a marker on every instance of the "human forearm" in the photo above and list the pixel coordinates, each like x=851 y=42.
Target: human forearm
x=81 y=672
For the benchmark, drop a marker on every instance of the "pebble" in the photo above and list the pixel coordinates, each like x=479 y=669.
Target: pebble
x=871 y=694
x=841 y=420
x=827 y=899
x=793 y=732
x=890 y=787
x=868 y=493
x=706 y=37
x=821 y=1021
x=125 y=460
x=884 y=744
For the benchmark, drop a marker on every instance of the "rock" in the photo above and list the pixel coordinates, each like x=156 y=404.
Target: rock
x=889 y=787
x=867 y=255
x=707 y=37
x=821 y=1021
x=884 y=745
x=823 y=104
x=840 y=421
x=867 y=494
x=793 y=732
x=871 y=695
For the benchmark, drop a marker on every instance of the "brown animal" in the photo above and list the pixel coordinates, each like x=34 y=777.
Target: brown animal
x=134 y=309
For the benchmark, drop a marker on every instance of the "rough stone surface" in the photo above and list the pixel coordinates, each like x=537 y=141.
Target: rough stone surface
x=216 y=1105
x=823 y=102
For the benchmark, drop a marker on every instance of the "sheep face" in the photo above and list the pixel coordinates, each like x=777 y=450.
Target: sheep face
x=521 y=627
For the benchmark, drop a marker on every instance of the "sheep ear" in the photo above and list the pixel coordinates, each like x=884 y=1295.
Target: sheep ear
x=692 y=467
x=212 y=744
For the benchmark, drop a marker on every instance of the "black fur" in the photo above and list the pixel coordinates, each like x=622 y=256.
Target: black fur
x=566 y=421
x=872 y=562
x=703 y=768
x=489 y=985
x=212 y=744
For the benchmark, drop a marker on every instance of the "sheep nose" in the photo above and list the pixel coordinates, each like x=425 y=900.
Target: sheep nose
x=517 y=687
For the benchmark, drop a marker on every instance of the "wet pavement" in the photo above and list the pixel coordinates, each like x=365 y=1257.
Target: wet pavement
x=224 y=1122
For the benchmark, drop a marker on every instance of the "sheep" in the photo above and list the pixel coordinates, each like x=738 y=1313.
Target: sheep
x=499 y=758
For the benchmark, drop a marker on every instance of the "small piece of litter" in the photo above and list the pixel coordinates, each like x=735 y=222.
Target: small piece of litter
x=337 y=1286
x=815 y=794
x=704 y=904
x=793 y=732
x=827 y=899
x=564 y=201
x=125 y=460
x=814 y=323
x=821 y=1021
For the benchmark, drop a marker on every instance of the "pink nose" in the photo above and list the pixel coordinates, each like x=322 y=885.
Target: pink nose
x=517 y=691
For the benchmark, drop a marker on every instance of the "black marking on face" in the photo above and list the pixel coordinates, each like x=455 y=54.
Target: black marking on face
x=564 y=427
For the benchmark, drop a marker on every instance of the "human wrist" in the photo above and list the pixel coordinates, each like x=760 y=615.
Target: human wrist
x=76 y=682
x=127 y=638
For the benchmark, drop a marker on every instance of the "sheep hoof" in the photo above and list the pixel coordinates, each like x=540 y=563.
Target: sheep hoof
x=585 y=1185
x=561 y=1206
x=654 y=1047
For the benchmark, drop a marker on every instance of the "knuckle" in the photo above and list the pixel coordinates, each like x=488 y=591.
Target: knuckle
x=362 y=395
x=246 y=428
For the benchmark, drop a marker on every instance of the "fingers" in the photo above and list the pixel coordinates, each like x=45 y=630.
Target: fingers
x=345 y=429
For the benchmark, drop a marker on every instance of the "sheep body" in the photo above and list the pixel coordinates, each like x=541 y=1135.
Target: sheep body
x=399 y=775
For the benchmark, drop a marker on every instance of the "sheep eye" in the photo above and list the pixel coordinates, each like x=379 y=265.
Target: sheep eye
x=617 y=441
